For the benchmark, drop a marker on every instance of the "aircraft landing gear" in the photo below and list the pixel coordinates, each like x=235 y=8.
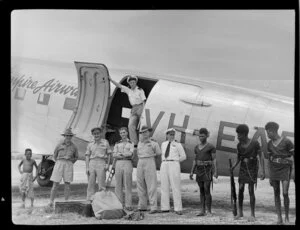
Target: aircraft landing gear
x=45 y=169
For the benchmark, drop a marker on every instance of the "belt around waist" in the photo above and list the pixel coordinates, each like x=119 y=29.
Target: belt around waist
x=125 y=159
x=281 y=161
x=98 y=158
x=64 y=159
x=249 y=158
x=141 y=158
x=169 y=160
x=136 y=105
x=203 y=162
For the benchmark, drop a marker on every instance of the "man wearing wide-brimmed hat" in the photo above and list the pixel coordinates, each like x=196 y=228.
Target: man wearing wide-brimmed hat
x=172 y=154
x=146 y=180
x=65 y=155
x=137 y=100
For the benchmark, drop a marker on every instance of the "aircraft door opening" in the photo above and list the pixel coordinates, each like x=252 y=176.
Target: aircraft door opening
x=120 y=107
x=92 y=101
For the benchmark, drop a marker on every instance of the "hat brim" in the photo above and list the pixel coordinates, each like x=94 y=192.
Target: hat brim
x=67 y=134
x=132 y=78
x=149 y=129
x=172 y=131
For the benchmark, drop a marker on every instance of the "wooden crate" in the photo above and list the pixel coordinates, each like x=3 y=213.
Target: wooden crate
x=81 y=207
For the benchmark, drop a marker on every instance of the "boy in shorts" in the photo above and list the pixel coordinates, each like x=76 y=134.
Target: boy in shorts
x=26 y=185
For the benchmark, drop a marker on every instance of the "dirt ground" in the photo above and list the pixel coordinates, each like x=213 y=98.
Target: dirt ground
x=222 y=215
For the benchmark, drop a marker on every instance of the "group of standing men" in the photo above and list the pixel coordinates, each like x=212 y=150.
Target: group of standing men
x=98 y=156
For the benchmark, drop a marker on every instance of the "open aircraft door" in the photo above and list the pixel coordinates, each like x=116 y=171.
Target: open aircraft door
x=92 y=101
x=90 y=111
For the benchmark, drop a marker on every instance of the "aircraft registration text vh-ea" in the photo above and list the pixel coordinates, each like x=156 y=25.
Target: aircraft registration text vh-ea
x=45 y=99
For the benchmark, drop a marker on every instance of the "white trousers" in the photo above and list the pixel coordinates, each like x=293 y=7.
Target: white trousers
x=170 y=176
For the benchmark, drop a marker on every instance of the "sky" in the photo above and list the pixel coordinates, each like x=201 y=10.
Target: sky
x=208 y=44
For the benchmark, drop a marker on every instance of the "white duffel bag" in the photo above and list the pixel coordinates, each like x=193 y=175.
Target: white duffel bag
x=106 y=205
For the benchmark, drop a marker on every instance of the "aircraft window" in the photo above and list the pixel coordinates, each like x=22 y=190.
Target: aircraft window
x=70 y=103
x=43 y=99
x=20 y=94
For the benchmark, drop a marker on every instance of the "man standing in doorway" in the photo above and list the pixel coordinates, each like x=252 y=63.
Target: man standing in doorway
x=173 y=154
x=137 y=100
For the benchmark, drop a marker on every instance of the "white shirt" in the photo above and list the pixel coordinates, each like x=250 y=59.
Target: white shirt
x=176 y=151
x=135 y=96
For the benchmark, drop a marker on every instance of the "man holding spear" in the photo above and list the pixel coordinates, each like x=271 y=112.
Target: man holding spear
x=248 y=153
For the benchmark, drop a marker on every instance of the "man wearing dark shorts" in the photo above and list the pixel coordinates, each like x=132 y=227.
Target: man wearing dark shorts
x=281 y=162
x=248 y=152
x=205 y=166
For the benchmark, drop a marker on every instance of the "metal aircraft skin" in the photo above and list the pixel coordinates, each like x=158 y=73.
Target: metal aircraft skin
x=48 y=97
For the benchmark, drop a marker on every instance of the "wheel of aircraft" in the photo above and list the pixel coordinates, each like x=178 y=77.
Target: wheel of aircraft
x=45 y=169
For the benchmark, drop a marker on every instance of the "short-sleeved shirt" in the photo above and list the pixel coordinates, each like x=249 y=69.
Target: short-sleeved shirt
x=205 y=154
x=101 y=149
x=283 y=150
x=148 y=148
x=64 y=151
x=136 y=96
x=123 y=147
x=176 y=151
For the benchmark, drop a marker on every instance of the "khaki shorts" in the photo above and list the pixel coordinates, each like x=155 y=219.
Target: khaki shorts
x=62 y=169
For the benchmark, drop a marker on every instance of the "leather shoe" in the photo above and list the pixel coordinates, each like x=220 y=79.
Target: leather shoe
x=153 y=211
x=201 y=214
x=165 y=211
x=178 y=212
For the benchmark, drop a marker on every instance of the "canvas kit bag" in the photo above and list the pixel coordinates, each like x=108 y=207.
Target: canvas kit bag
x=106 y=205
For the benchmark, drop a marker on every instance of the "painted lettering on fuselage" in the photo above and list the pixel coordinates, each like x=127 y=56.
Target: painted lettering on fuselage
x=171 y=122
x=20 y=84
x=259 y=135
x=46 y=87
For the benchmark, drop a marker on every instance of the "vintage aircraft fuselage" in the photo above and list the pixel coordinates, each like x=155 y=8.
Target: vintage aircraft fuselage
x=184 y=106
x=171 y=102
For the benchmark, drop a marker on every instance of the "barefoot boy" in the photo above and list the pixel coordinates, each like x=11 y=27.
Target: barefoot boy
x=26 y=186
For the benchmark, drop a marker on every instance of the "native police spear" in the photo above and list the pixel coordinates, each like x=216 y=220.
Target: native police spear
x=98 y=154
